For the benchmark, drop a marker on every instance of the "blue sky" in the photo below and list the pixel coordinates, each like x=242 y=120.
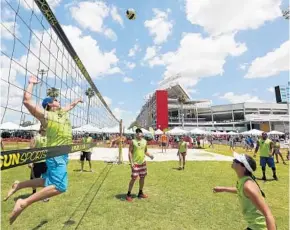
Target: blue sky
x=225 y=52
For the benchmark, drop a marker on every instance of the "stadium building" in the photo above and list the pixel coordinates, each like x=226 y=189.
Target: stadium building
x=173 y=107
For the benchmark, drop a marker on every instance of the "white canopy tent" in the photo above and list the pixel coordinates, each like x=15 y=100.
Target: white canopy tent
x=218 y=133
x=198 y=131
x=176 y=131
x=88 y=128
x=254 y=132
x=232 y=133
x=129 y=131
x=35 y=127
x=275 y=133
x=158 y=132
x=145 y=131
x=10 y=126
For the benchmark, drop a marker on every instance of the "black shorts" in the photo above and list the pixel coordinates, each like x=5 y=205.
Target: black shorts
x=86 y=155
x=38 y=169
x=163 y=144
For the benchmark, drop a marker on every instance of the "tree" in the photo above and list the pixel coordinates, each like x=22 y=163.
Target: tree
x=89 y=93
x=52 y=92
x=135 y=123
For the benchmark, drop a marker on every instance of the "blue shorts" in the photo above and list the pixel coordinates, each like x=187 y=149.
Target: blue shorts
x=267 y=161
x=56 y=173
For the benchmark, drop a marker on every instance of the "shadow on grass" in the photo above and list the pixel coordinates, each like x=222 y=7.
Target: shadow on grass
x=78 y=170
x=122 y=197
x=69 y=222
x=40 y=225
x=265 y=180
x=23 y=196
x=178 y=169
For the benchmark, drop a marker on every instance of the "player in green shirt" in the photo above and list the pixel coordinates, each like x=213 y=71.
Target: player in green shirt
x=137 y=152
x=266 y=155
x=87 y=153
x=58 y=132
x=182 y=151
x=255 y=210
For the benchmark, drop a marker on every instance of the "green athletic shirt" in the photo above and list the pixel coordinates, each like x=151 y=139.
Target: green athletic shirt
x=182 y=147
x=59 y=130
x=139 y=151
x=277 y=145
x=40 y=141
x=255 y=219
x=264 y=146
x=87 y=140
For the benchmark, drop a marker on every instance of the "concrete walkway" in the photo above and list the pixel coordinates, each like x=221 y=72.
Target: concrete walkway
x=111 y=154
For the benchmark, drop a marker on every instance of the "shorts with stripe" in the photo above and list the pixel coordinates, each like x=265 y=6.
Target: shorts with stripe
x=139 y=170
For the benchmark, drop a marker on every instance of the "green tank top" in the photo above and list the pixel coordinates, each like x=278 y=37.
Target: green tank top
x=182 y=147
x=40 y=142
x=252 y=215
x=265 y=147
x=58 y=129
x=87 y=140
x=139 y=151
x=277 y=145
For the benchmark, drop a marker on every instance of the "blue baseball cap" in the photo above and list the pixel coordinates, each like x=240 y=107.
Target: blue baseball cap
x=46 y=101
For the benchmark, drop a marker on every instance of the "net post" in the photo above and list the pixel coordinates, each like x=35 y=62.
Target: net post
x=120 y=142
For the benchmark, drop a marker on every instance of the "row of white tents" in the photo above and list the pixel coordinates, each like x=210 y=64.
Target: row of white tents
x=175 y=131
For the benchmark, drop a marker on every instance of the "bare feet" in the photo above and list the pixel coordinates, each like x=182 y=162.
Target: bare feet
x=12 y=190
x=17 y=210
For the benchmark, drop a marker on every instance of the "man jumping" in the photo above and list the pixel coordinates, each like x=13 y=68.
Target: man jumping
x=266 y=157
x=137 y=152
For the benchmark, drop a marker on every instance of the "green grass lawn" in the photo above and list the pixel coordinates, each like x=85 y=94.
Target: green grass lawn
x=177 y=199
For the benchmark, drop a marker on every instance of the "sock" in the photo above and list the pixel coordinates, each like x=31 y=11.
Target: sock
x=129 y=193
x=140 y=192
x=274 y=172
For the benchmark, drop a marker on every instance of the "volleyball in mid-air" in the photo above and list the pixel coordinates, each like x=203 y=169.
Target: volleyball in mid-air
x=131 y=14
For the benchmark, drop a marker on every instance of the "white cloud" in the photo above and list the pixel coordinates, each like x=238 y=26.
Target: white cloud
x=192 y=91
x=109 y=33
x=197 y=57
x=9 y=26
x=243 y=66
x=239 y=98
x=91 y=15
x=130 y=65
x=160 y=27
x=127 y=79
x=108 y=100
x=150 y=53
x=271 y=89
x=116 y=16
x=134 y=50
x=224 y=16
x=83 y=45
x=271 y=64
x=125 y=115
x=30 y=4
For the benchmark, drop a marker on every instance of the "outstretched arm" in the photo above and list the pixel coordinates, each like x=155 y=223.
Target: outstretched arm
x=252 y=191
x=225 y=189
x=72 y=105
x=36 y=111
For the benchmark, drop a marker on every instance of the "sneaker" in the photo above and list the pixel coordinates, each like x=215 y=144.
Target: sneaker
x=275 y=177
x=129 y=198
x=142 y=196
x=45 y=200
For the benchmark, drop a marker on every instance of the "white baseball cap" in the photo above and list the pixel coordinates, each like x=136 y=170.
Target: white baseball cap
x=242 y=158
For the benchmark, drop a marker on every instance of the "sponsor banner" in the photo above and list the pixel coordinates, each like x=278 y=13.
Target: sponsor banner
x=14 y=158
x=49 y=15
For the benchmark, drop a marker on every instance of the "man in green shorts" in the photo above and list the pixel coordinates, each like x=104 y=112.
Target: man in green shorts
x=137 y=152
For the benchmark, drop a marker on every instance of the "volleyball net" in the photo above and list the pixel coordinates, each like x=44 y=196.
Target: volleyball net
x=34 y=43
